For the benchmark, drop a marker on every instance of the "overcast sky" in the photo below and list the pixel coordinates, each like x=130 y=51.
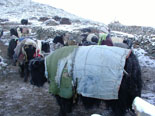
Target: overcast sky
x=128 y=12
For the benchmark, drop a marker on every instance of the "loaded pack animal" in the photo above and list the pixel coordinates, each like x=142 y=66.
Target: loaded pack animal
x=20 y=32
x=15 y=34
x=16 y=31
x=23 y=53
x=89 y=39
x=63 y=40
x=92 y=74
x=45 y=46
x=27 y=50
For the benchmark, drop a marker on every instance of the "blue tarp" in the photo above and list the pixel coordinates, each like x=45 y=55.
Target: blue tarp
x=99 y=71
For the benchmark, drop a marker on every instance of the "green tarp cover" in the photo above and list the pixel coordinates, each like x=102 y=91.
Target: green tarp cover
x=52 y=62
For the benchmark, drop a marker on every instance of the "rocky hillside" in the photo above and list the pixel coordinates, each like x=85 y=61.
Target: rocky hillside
x=45 y=21
x=17 y=9
x=144 y=36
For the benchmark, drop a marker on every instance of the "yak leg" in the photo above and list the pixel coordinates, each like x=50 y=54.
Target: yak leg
x=65 y=105
x=26 y=72
x=90 y=102
x=117 y=108
x=21 y=70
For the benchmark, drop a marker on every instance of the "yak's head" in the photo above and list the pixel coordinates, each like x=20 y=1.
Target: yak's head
x=46 y=47
x=30 y=51
x=37 y=71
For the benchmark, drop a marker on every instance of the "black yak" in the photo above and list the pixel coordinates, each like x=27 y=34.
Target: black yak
x=59 y=39
x=23 y=53
x=16 y=31
x=11 y=47
x=26 y=50
x=45 y=46
x=82 y=73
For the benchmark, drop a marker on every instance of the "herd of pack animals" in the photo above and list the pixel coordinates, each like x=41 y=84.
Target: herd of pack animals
x=29 y=55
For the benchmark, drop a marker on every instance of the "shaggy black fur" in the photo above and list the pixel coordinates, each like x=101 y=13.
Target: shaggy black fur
x=11 y=47
x=13 y=31
x=30 y=50
x=130 y=88
x=1 y=33
x=58 y=39
x=46 y=47
x=94 y=39
x=37 y=65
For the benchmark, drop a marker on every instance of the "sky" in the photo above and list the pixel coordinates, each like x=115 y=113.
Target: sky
x=127 y=12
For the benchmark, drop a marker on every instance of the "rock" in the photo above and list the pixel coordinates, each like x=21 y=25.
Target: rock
x=57 y=18
x=51 y=22
x=65 y=21
x=3 y=20
x=131 y=29
x=46 y=33
x=43 y=19
x=90 y=30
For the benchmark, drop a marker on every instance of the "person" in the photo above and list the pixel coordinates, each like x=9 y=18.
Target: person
x=105 y=39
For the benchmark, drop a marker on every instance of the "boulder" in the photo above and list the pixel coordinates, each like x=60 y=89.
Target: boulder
x=51 y=22
x=43 y=19
x=57 y=18
x=65 y=21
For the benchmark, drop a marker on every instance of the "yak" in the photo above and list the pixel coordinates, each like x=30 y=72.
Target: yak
x=77 y=72
x=23 y=53
x=11 y=47
x=16 y=31
x=45 y=46
x=26 y=50
x=24 y=71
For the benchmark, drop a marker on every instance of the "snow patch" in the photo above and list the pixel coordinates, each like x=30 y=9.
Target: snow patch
x=2 y=64
x=143 y=107
x=143 y=59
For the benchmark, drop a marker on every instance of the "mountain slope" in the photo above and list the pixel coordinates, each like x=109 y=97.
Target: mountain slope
x=17 y=9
